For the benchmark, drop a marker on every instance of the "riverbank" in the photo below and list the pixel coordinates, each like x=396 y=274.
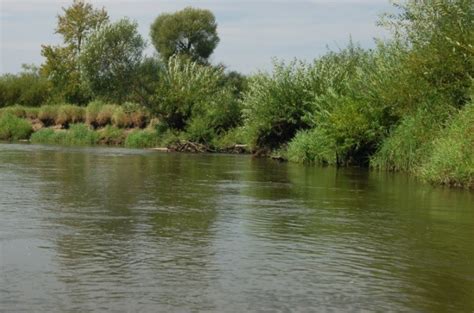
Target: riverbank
x=447 y=156
x=103 y=124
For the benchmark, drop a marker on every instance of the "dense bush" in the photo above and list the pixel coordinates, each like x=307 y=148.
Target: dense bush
x=189 y=91
x=69 y=114
x=28 y=88
x=452 y=159
x=112 y=135
x=410 y=143
x=313 y=146
x=14 y=128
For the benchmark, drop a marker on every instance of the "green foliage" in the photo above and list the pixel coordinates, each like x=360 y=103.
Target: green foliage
x=61 y=66
x=69 y=114
x=410 y=143
x=48 y=114
x=80 y=134
x=274 y=105
x=92 y=111
x=111 y=135
x=14 y=128
x=313 y=146
x=228 y=139
x=76 y=135
x=46 y=136
x=99 y=114
x=452 y=159
x=141 y=139
x=189 y=90
x=441 y=35
x=190 y=32
x=111 y=58
x=198 y=130
x=146 y=81
x=78 y=22
x=28 y=88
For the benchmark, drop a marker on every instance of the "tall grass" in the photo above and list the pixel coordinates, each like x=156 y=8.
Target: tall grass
x=69 y=114
x=111 y=135
x=452 y=159
x=411 y=141
x=141 y=139
x=14 y=128
x=312 y=146
x=76 y=135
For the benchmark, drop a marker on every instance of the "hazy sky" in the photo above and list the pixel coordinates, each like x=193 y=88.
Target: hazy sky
x=251 y=32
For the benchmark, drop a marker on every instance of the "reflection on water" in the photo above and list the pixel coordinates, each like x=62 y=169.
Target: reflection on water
x=94 y=229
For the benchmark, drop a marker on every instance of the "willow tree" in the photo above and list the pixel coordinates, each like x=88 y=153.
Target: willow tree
x=190 y=32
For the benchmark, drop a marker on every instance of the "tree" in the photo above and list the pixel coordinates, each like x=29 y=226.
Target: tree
x=111 y=58
x=191 y=32
x=61 y=67
x=440 y=34
x=78 y=22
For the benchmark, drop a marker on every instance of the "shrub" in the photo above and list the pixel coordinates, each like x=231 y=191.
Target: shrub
x=274 y=105
x=14 y=128
x=120 y=118
x=141 y=139
x=410 y=143
x=32 y=113
x=229 y=139
x=136 y=114
x=80 y=134
x=27 y=88
x=92 y=111
x=104 y=116
x=48 y=114
x=16 y=110
x=112 y=135
x=69 y=114
x=198 y=130
x=312 y=146
x=452 y=158
x=185 y=90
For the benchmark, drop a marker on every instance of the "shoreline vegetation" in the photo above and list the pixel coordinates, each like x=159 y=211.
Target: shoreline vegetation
x=405 y=105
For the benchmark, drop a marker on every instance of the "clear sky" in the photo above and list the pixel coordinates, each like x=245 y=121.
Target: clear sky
x=251 y=32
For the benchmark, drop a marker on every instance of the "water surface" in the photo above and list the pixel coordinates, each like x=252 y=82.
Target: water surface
x=104 y=229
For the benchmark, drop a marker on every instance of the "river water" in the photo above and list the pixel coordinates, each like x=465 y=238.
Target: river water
x=117 y=230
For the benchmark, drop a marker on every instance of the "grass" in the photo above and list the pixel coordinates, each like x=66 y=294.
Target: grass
x=48 y=114
x=142 y=139
x=69 y=114
x=410 y=143
x=14 y=128
x=76 y=135
x=312 y=146
x=112 y=135
x=452 y=159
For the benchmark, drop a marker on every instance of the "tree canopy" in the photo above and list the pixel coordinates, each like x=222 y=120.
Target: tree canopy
x=61 y=66
x=111 y=58
x=191 y=32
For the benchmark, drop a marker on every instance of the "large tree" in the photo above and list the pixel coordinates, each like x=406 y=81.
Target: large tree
x=61 y=66
x=111 y=59
x=190 y=32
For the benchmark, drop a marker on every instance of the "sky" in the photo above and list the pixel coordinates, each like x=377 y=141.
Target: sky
x=252 y=33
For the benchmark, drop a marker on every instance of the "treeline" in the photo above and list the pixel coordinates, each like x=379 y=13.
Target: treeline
x=406 y=105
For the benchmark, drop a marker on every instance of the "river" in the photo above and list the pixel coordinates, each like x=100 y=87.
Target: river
x=119 y=230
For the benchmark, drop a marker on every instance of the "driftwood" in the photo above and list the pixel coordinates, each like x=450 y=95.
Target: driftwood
x=188 y=146
x=162 y=149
